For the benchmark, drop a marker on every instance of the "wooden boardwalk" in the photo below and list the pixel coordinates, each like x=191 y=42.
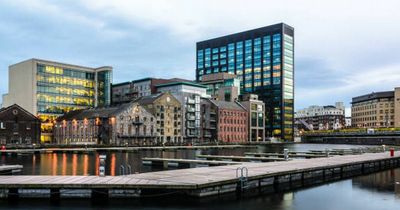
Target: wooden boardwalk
x=196 y=181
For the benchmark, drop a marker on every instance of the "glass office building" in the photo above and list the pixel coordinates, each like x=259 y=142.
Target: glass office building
x=263 y=60
x=50 y=89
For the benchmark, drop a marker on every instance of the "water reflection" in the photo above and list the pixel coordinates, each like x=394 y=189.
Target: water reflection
x=88 y=164
x=386 y=181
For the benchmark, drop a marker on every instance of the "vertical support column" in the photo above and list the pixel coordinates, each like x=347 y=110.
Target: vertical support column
x=99 y=194
x=276 y=183
x=13 y=194
x=54 y=194
x=341 y=172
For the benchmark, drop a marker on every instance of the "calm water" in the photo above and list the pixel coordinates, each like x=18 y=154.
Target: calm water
x=87 y=164
x=369 y=192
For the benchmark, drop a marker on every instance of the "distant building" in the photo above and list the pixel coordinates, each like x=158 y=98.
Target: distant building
x=48 y=89
x=377 y=109
x=189 y=95
x=168 y=117
x=127 y=124
x=348 y=122
x=231 y=122
x=128 y=91
x=18 y=127
x=263 y=61
x=256 y=115
x=321 y=117
x=222 y=86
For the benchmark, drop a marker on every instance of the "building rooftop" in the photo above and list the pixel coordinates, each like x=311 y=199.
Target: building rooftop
x=372 y=96
x=64 y=64
x=181 y=83
x=228 y=105
x=241 y=35
x=103 y=112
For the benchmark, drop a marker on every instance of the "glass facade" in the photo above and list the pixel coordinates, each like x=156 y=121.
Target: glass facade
x=263 y=60
x=60 y=90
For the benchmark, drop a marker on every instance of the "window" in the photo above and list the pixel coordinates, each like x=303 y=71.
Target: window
x=2 y=125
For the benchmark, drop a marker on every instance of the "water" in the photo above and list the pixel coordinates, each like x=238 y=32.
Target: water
x=379 y=190
x=87 y=164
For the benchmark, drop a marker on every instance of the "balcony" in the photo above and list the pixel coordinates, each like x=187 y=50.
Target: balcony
x=191 y=101
x=190 y=109
x=190 y=125
x=190 y=117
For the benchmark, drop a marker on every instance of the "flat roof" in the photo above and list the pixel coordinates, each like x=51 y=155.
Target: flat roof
x=242 y=35
x=56 y=63
x=372 y=96
x=181 y=83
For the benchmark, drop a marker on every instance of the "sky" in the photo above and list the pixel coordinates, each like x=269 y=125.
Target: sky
x=343 y=48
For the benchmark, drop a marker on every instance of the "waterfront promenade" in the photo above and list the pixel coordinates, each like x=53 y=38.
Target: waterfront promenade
x=197 y=181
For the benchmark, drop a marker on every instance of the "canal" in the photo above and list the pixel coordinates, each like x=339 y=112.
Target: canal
x=379 y=190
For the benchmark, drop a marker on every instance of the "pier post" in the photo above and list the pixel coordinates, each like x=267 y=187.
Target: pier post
x=54 y=194
x=99 y=194
x=286 y=154
x=13 y=194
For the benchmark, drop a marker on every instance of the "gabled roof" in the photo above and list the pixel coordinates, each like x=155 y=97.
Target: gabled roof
x=103 y=112
x=149 y=99
x=4 y=109
x=228 y=105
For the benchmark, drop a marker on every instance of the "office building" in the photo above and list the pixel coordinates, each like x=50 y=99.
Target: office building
x=377 y=109
x=18 y=127
x=48 y=89
x=188 y=94
x=321 y=117
x=222 y=86
x=263 y=60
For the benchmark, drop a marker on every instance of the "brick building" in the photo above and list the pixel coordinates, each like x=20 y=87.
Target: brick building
x=18 y=127
x=231 y=121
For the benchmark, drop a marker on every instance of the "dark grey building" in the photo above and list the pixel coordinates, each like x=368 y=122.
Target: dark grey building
x=18 y=127
x=263 y=60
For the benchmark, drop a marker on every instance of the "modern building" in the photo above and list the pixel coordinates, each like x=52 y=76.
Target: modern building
x=255 y=109
x=222 y=86
x=321 y=117
x=263 y=60
x=377 y=109
x=188 y=94
x=168 y=117
x=127 y=124
x=48 y=89
x=18 y=127
x=128 y=91
x=229 y=118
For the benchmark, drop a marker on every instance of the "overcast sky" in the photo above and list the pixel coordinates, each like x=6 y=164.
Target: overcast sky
x=343 y=48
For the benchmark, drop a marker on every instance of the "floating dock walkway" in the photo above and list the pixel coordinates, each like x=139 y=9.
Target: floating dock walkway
x=10 y=169
x=198 y=182
x=117 y=149
x=166 y=162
